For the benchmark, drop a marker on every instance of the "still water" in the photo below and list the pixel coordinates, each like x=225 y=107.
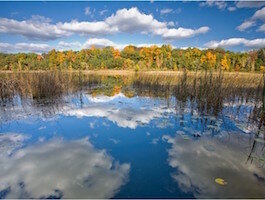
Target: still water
x=91 y=136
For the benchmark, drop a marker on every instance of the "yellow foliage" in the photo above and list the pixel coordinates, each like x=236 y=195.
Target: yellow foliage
x=262 y=68
x=137 y=68
x=175 y=68
x=211 y=58
x=129 y=49
x=220 y=181
x=116 y=90
x=203 y=59
x=116 y=53
x=224 y=64
x=128 y=63
x=92 y=47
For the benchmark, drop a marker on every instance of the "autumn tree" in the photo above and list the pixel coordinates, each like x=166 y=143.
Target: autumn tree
x=224 y=64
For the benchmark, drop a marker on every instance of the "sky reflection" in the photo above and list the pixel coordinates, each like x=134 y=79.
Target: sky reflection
x=130 y=137
x=73 y=169
x=198 y=163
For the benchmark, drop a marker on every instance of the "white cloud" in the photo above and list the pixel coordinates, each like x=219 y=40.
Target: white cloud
x=102 y=12
x=90 y=28
x=192 y=47
x=99 y=43
x=78 y=171
x=87 y=11
x=35 y=28
x=124 y=20
x=171 y=23
x=258 y=15
x=132 y=20
x=24 y=47
x=250 y=4
x=231 y=8
x=165 y=11
x=245 y=25
x=62 y=45
x=240 y=4
x=173 y=34
x=255 y=43
x=262 y=28
x=211 y=3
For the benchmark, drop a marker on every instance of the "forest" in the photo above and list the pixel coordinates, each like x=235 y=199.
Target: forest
x=134 y=58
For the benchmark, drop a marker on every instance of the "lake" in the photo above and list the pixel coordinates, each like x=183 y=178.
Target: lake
x=78 y=135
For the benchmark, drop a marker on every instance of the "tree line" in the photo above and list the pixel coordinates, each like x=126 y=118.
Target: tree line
x=131 y=57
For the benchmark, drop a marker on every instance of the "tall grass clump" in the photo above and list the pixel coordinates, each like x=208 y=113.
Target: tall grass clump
x=48 y=85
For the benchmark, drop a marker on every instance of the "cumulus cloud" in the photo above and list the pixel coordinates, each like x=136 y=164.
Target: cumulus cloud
x=124 y=20
x=131 y=20
x=262 y=28
x=210 y=3
x=24 y=47
x=231 y=8
x=255 y=43
x=87 y=11
x=173 y=33
x=62 y=45
x=245 y=25
x=72 y=169
x=90 y=28
x=99 y=43
x=249 y=4
x=258 y=15
x=165 y=11
x=199 y=162
x=171 y=23
x=239 y=4
x=102 y=12
x=37 y=28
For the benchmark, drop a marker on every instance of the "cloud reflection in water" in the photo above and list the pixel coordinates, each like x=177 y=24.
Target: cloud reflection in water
x=127 y=115
x=68 y=169
x=199 y=162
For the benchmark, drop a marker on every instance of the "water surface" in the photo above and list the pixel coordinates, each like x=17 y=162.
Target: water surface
x=90 y=136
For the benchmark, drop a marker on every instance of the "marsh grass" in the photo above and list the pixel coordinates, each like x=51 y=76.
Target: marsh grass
x=206 y=91
x=48 y=85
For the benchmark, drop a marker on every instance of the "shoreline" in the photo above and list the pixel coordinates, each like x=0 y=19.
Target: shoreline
x=132 y=72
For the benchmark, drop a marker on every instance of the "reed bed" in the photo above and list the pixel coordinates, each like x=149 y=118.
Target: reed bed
x=207 y=91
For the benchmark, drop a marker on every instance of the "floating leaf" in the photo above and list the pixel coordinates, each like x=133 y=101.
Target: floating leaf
x=220 y=181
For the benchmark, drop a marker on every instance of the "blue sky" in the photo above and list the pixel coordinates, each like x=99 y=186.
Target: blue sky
x=41 y=26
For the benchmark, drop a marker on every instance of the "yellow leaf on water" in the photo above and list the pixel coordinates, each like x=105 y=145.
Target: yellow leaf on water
x=220 y=181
